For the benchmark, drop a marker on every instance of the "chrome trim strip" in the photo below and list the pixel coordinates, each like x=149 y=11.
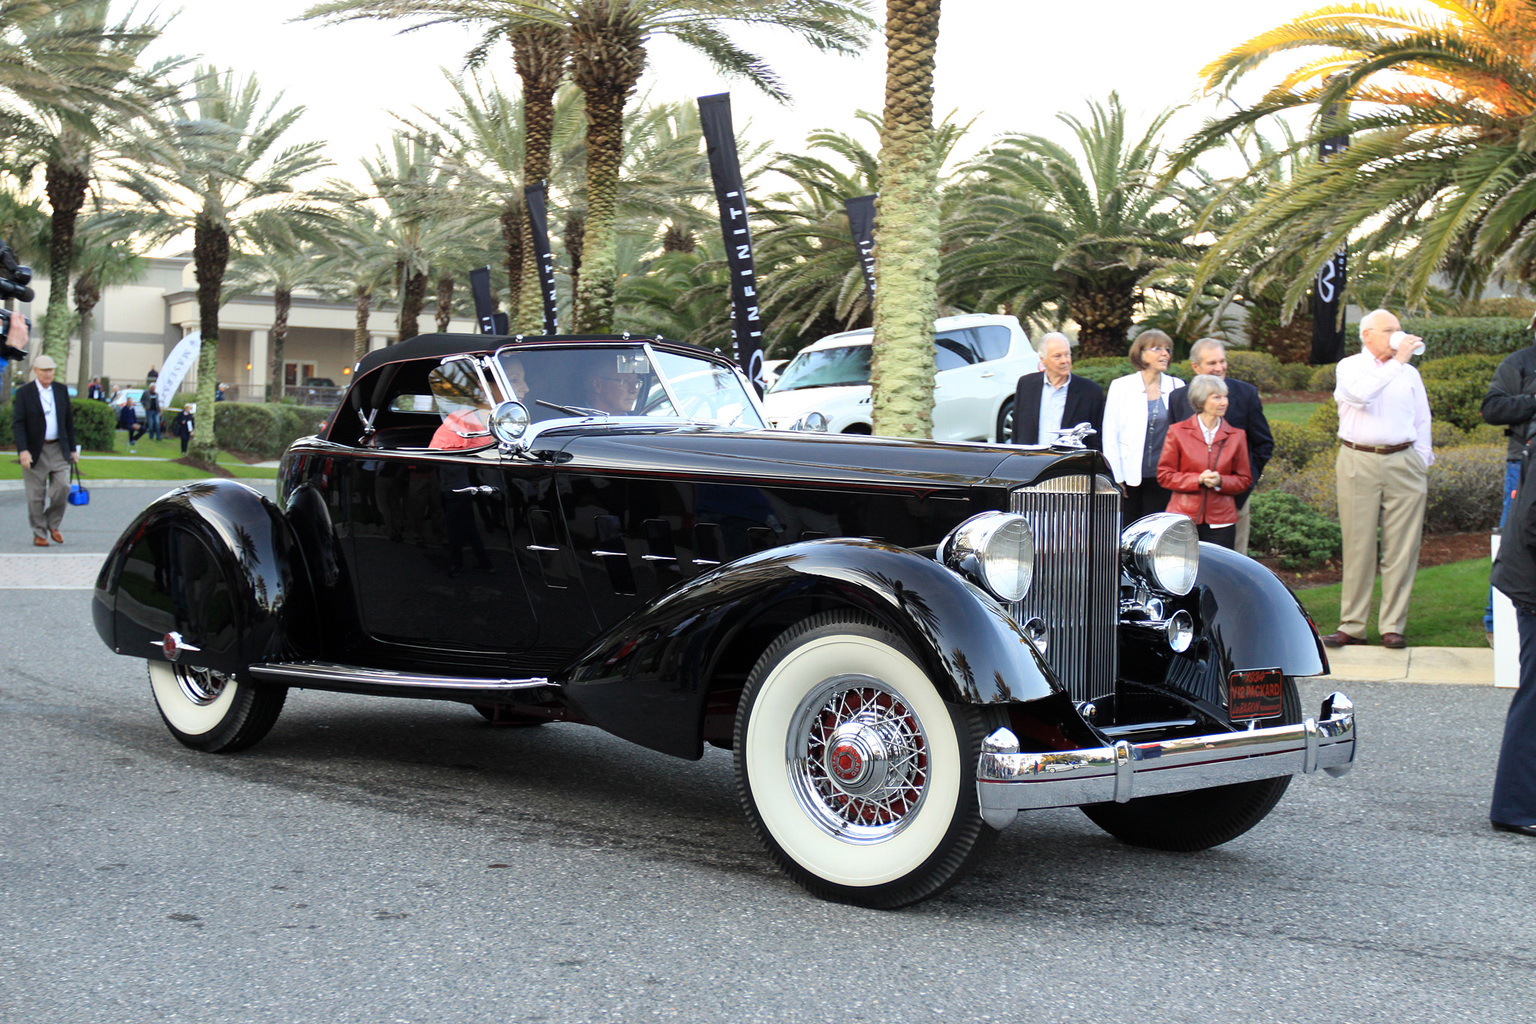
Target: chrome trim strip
x=297 y=673
x=1008 y=782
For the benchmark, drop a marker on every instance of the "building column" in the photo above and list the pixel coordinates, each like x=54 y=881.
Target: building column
x=378 y=341
x=256 y=376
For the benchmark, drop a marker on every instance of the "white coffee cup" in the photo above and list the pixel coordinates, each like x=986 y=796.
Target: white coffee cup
x=1397 y=339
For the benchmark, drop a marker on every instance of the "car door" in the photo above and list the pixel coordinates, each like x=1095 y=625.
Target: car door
x=431 y=536
x=964 y=389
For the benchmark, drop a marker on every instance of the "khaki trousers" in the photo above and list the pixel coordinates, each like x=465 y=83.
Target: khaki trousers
x=1388 y=491
x=47 y=483
x=1244 y=525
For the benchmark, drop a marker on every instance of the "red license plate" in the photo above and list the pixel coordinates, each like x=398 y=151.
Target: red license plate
x=1255 y=693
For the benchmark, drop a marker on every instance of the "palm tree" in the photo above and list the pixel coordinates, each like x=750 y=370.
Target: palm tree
x=1054 y=237
x=1438 y=164
x=907 y=226
x=279 y=251
x=77 y=43
x=607 y=41
x=358 y=259
x=229 y=166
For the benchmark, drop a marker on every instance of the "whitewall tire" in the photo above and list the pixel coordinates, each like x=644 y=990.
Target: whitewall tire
x=857 y=775
x=212 y=711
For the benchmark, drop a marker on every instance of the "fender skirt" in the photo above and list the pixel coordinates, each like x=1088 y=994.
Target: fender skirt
x=215 y=562
x=649 y=678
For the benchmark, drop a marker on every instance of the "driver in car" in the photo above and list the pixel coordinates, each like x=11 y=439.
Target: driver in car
x=613 y=392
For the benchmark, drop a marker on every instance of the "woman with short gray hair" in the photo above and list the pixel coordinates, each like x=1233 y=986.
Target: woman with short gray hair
x=1205 y=463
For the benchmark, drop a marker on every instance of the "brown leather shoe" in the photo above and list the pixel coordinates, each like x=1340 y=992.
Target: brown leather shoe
x=1339 y=638
x=58 y=538
x=1394 y=641
x=40 y=542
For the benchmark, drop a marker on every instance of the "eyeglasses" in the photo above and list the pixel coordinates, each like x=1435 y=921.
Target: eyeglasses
x=632 y=383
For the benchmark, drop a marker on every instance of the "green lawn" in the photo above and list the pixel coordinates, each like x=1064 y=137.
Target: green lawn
x=1446 y=609
x=1289 y=412
x=159 y=466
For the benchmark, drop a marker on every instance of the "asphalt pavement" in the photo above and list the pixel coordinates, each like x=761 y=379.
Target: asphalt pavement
x=376 y=861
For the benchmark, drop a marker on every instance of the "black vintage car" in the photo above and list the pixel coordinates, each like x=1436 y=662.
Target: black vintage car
x=904 y=643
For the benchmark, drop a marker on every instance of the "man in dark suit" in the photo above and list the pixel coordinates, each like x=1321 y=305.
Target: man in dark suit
x=1245 y=411
x=1052 y=401
x=44 y=426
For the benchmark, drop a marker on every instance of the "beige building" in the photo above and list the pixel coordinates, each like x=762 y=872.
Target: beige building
x=136 y=325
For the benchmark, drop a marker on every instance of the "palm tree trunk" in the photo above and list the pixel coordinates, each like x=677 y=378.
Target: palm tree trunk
x=1104 y=316
x=512 y=231
x=607 y=57
x=282 y=302
x=444 y=302
x=575 y=240
x=907 y=243
x=363 y=300
x=67 y=184
x=413 y=295
x=210 y=258
x=87 y=295
x=540 y=55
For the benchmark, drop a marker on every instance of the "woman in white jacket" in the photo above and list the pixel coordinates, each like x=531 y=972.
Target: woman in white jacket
x=1136 y=422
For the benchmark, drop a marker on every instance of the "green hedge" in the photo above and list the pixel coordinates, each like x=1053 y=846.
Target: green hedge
x=95 y=423
x=1288 y=527
x=1469 y=335
x=262 y=429
x=1102 y=369
x=1456 y=386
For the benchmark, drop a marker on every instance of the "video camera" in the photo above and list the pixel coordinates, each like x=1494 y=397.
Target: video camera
x=14 y=278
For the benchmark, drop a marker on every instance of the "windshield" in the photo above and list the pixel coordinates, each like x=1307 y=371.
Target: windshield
x=826 y=368
x=625 y=381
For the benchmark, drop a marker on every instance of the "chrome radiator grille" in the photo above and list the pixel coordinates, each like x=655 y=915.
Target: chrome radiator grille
x=1076 y=591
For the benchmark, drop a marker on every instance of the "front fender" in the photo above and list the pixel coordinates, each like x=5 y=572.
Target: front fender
x=650 y=678
x=216 y=562
x=1252 y=619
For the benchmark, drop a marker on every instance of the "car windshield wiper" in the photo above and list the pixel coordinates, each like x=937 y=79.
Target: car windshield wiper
x=574 y=410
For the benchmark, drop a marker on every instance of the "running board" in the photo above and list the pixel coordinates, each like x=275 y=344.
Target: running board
x=320 y=675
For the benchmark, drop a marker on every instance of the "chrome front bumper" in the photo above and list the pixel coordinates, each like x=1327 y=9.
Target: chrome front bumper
x=1008 y=781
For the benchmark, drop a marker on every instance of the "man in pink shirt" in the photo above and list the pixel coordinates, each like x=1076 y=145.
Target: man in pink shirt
x=1383 y=477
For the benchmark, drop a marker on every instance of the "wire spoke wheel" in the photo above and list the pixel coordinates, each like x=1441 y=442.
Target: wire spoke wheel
x=213 y=711
x=856 y=774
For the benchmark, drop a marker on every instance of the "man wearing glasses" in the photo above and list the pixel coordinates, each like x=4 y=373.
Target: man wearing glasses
x=613 y=392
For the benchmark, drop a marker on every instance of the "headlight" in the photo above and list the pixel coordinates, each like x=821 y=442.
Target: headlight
x=996 y=551
x=1164 y=550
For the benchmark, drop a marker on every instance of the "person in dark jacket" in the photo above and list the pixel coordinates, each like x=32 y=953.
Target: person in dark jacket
x=1245 y=411
x=128 y=419
x=43 y=425
x=182 y=425
x=1511 y=403
x=1055 y=400
x=1513 y=808
x=152 y=414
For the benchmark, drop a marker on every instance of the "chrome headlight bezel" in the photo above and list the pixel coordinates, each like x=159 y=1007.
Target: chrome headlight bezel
x=995 y=551
x=509 y=422
x=1162 y=549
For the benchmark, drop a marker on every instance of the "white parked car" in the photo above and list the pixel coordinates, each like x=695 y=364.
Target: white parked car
x=979 y=359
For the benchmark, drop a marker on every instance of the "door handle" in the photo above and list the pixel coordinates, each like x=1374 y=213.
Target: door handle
x=482 y=491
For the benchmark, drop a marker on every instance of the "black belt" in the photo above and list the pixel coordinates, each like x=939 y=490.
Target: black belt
x=1391 y=449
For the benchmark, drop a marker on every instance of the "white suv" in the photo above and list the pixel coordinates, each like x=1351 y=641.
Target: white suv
x=979 y=359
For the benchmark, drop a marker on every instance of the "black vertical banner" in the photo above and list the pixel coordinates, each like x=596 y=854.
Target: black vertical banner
x=861 y=224
x=538 y=223
x=725 y=169
x=1328 y=288
x=485 y=303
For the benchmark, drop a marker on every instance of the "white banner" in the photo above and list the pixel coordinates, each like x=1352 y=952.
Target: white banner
x=182 y=358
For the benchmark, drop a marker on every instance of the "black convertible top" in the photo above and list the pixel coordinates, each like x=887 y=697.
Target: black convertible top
x=436 y=346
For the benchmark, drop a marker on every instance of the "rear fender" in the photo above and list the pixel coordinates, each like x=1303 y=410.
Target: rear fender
x=216 y=563
x=650 y=678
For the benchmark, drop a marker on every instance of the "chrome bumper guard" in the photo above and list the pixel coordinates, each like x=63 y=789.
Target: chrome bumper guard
x=1008 y=781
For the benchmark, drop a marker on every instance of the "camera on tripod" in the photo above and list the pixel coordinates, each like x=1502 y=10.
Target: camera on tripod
x=14 y=278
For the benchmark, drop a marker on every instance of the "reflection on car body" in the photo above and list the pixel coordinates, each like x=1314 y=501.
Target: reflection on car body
x=903 y=643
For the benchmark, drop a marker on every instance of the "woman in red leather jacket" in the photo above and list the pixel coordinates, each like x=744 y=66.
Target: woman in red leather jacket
x=1205 y=463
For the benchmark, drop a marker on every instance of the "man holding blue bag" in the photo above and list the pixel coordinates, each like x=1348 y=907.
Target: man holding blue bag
x=44 y=428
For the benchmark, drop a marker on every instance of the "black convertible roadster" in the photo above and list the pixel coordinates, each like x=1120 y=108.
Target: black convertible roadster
x=904 y=643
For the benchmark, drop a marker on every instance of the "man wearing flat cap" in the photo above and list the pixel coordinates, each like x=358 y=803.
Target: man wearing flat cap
x=44 y=425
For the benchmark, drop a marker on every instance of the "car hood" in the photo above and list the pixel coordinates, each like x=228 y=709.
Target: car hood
x=785 y=407
x=810 y=459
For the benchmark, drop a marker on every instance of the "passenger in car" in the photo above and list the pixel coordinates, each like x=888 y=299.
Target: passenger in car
x=452 y=433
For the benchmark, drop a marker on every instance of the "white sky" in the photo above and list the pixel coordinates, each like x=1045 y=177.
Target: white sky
x=1011 y=64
